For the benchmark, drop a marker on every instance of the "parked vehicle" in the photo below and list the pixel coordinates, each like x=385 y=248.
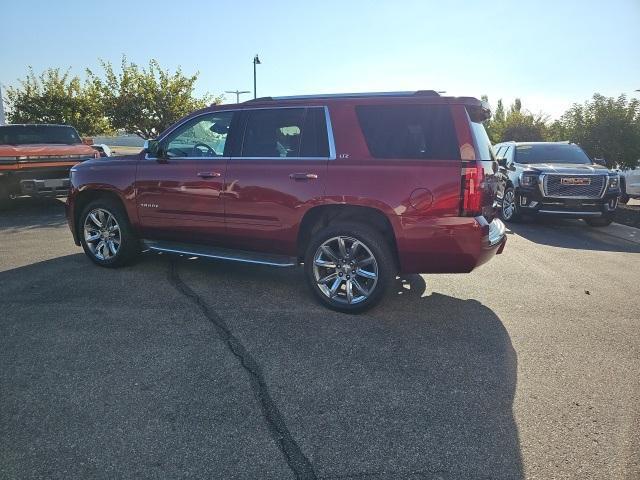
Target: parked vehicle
x=359 y=187
x=557 y=179
x=102 y=149
x=35 y=159
x=629 y=183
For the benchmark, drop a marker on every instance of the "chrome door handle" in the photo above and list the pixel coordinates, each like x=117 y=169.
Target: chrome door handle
x=303 y=176
x=209 y=174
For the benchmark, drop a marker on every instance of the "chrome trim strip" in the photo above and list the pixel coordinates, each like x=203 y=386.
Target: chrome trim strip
x=581 y=214
x=147 y=157
x=218 y=256
x=332 y=144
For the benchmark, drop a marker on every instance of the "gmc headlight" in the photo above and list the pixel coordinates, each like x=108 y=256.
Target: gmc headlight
x=614 y=182
x=528 y=180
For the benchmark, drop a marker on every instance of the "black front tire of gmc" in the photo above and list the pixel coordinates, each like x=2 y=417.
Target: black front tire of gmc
x=106 y=234
x=510 y=211
x=603 y=221
x=349 y=266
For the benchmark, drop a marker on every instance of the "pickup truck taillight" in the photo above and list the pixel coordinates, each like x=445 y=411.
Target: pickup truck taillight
x=472 y=189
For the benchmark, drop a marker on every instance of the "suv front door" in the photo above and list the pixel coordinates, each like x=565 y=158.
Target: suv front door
x=178 y=186
x=279 y=173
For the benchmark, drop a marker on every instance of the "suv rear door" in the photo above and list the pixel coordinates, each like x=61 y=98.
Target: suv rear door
x=279 y=173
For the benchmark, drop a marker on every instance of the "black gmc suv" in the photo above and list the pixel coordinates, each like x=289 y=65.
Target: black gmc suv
x=554 y=178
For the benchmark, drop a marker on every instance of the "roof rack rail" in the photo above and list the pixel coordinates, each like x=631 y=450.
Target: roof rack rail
x=417 y=93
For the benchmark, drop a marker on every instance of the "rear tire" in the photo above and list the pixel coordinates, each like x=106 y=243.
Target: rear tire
x=106 y=234
x=600 y=221
x=348 y=267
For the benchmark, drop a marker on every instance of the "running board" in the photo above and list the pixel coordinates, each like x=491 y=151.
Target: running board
x=196 y=250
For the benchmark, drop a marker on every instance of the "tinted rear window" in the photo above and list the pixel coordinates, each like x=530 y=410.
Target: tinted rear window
x=28 y=134
x=286 y=133
x=409 y=131
x=483 y=144
x=551 y=153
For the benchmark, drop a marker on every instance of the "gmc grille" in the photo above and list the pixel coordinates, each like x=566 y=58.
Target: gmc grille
x=553 y=186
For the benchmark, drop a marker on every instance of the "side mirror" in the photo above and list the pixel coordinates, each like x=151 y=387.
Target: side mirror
x=502 y=161
x=152 y=148
x=600 y=161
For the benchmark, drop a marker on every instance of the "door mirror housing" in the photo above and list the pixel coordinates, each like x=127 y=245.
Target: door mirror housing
x=600 y=161
x=151 y=146
x=502 y=161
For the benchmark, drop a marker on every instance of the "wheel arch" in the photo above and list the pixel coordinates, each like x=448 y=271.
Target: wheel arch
x=323 y=215
x=84 y=197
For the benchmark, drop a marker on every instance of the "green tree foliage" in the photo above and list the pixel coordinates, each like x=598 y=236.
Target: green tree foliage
x=605 y=127
x=516 y=124
x=55 y=96
x=145 y=101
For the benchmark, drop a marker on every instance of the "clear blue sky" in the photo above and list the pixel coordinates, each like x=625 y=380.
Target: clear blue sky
x=549 y=53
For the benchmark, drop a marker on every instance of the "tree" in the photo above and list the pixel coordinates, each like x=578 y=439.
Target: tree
x=605 y=127
x=56 y=97
x=145 y=101
x=516 y=124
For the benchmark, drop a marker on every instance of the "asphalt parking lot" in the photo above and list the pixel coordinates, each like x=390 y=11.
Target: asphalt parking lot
x=185 y=368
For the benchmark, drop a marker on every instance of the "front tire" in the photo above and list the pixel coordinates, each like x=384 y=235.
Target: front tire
x=349 y=267
x=509 y=211
x=600 y=221
x=5 y=198
x=106 y=235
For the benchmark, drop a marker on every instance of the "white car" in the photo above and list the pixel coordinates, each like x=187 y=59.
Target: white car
x=629 y=183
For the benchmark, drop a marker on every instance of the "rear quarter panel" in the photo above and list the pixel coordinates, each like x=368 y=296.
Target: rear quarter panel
x=430 y=235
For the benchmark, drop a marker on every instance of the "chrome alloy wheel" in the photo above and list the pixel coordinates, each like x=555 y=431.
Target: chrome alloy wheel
x=102 y=234
x=508 y=205
x=345 y=270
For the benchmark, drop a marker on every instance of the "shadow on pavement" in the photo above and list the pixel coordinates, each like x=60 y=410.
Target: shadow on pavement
x=420 y=387
x=26 y=213
x=572 y=234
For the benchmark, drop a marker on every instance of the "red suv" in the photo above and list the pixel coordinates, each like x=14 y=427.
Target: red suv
x=358 y=187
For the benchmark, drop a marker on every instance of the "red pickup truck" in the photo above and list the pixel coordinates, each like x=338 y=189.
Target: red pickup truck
x=35 y=159
x=358 y=187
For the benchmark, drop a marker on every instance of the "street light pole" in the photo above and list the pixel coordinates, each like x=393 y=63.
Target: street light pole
x=256 y=61
x=2 y=120
x=238 y=93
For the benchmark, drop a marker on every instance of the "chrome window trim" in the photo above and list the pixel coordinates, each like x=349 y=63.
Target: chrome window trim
x=330 y=138
x=332 y=142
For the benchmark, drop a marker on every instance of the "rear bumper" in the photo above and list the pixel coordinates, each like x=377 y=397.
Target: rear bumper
x=449 y=244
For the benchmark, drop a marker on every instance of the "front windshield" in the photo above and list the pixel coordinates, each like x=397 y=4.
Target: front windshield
x=551 y=153
x=33 y=134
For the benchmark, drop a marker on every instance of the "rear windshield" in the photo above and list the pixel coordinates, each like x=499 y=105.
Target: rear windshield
x=551 y=153
x=483 y=144
x=409 y=131
x=28 y=134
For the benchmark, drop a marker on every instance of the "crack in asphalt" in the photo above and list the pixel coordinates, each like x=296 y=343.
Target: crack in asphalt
x=296 y=460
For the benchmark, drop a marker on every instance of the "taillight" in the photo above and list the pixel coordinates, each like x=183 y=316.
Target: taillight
x=472 y=189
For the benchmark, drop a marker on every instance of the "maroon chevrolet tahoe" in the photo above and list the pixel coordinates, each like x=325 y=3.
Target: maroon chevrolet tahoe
x=358 y=187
